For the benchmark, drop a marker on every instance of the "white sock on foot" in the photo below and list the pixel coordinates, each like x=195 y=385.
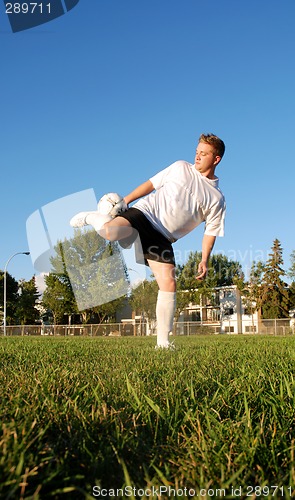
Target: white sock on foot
x=97 y=220
x=165 y=309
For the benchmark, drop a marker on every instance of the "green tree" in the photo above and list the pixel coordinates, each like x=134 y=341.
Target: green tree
x=11 y=297
x=251 y=289
x=292 y=295
x=291 y=272
x=183 y=299
x=57 y=298
x=28 y=295
x=274 y=291
x=89 y=270
x=143 y=300
x=107 y=312
x=221 y=272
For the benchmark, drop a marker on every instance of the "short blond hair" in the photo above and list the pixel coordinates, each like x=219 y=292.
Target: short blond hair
x=215 y=142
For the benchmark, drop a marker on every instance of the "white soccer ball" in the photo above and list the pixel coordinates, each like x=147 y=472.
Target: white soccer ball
x=111 y=204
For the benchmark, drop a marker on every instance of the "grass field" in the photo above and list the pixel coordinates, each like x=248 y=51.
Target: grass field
x=85 y=417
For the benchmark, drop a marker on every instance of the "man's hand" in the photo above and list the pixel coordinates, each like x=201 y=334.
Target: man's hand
x=202 y=270
x=207 y=245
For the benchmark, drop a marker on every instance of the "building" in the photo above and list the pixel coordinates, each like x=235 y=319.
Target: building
x=225 y=310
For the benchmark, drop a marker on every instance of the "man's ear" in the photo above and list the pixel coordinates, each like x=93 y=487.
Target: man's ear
x=217 y=160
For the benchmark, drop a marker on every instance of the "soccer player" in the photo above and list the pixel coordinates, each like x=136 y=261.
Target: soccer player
x=170 y=205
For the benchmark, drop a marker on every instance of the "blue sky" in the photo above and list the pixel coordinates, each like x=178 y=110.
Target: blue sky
x=112 y=92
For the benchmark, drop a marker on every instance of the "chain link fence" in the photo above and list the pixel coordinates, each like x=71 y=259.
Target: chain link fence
x=264 y=327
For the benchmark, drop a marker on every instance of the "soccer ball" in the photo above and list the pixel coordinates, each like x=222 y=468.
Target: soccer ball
x=111 y=204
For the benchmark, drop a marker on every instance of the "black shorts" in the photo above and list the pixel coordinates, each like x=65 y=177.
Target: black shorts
x=154 y=246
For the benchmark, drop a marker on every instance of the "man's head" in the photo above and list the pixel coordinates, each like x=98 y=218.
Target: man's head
x=214 y=141
x=209 y=152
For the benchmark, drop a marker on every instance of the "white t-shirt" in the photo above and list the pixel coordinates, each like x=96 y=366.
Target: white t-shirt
x=183 y=199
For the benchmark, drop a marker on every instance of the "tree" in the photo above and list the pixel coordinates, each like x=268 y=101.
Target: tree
x=183 y=300
x=143 y=299
x=90 y=274
x=291 y=272
x=221 y=272
x=292 y=295
x=11 y=296
x=107 y=311
x=251 y=290
x=274 y=291
x=57 y=297
x=28 y=295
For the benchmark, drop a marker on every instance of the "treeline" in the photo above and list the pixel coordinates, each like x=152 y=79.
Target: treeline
x=86 y=266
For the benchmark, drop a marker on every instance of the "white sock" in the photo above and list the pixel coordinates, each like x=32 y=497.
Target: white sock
x=165 y=309
x=97 y=220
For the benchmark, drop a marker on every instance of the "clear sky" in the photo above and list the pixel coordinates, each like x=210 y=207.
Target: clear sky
x=115 y=90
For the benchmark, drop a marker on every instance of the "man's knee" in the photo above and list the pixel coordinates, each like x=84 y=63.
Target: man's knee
x=170 y=285
x=164 y=274
x=108 y=232
x=112 y=232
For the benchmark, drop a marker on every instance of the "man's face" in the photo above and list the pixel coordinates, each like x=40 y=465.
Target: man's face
x=206 y=159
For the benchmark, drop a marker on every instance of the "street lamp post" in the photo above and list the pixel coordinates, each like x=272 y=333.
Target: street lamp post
x=5 y=272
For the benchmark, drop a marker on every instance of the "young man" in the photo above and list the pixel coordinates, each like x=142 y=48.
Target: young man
x=171 y=204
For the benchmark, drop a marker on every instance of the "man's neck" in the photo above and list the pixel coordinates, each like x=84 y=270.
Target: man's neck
x=212 y=177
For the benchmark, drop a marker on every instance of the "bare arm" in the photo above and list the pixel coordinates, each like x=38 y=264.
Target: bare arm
x=142 y=190
x=207 y=245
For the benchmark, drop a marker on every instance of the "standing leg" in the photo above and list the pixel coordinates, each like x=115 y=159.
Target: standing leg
x=120 y=228
x=166 y=301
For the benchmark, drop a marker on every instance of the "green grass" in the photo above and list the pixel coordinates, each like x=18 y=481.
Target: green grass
x=110 y=412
